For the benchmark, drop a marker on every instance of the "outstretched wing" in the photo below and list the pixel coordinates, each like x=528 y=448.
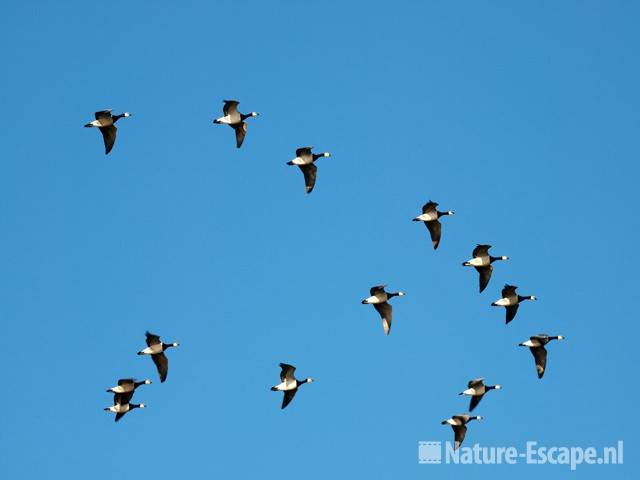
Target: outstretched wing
x=429 y=207
x=310 y=172
x=288 y=396
x=162 y=364
x=511 y=312
x=485 y=275
x=386 y=313
x=303 y=151
x=103 y=115
x=475 y=382
x=122 y=398
x=109 y=137
x=119 y=415
x=241 y=132
x=474 y=402
x=435 y=229
x=376 y=289
x=459 y=432
x=152 y=339
x=230 y=106
x=540 y=356
x=287 y=372
x=509 y=291
x=481 y=250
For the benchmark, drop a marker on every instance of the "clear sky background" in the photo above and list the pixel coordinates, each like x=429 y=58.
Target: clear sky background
x=520 y=116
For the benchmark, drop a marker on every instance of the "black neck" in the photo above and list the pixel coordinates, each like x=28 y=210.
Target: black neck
x=115 y=118
x=244 y=116
x=167 y=345
x=493 y=259
x=526 y=297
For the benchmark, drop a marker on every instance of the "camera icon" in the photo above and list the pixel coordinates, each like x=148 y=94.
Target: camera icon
x=430 y=452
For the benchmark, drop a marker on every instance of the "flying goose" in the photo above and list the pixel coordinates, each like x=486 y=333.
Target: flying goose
x=482 y=262
x=536 y=345
x=430 y=216
x=289 y=384
x=126 y=385
x=511 y=301
x=235 y=119
x=459 y=425
x=121 y=405
x=106 y=123
x=379 y=299
x=476 y=390
x=156 y=349
x=304 y=159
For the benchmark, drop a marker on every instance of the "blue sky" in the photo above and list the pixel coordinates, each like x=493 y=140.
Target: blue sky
x=520 y=116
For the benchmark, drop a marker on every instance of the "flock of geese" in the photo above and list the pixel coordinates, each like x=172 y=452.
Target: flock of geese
x=305 y=159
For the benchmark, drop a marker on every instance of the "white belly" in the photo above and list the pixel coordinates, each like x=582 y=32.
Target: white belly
x=479 y=261
x=428 y=217
x=300 y=161
x=469 y=391
x=226 y=119
x=373 y=299
x=504 y=302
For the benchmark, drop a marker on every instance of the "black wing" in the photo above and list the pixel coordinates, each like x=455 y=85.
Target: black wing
x=485 y=275
x=376 y=289
x=459 y=432
x=241 y=132
x=103 y=115
x=122 y=398
x=511 y=312
x=126 y=381
x=310 y=172
x=509 y=291
x=481 y=250
x=109 y=137
x=429 y=207
x=475 y=382
x=540 y=356
x=386 y=312
x=303 y=151
x=435 y=229
x=288 y=396
x=119 y=415
x=152 y=339
x=287 y=372
x=474 y=402
x=162 y=364
x=230 y=106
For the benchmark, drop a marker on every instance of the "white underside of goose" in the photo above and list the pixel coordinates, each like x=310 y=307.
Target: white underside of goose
x=226 y=120
x=451 y=421
x=531 y=343
x=286 y=385
x=478 y=262
x=300 y=161
x=95 y=123
x=427 y=217
x=373 y=299
x=469 y=391
x=152 y=349
x=504 y=302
